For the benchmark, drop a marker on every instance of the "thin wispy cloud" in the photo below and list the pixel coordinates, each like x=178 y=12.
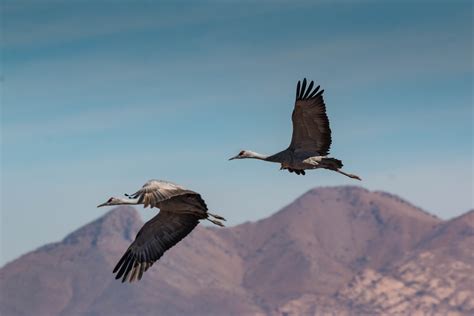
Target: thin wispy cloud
x=88 y=24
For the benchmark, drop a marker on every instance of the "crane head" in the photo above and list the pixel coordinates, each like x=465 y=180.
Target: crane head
x=241 y=155
x=111 y=201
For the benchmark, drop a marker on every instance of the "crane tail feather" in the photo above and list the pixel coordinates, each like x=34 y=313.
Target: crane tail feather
x=216 y=222
x=217 y=216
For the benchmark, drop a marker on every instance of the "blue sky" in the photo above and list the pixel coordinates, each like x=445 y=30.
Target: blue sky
x=100 y=96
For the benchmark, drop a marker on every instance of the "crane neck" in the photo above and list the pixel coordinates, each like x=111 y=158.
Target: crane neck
x=254 y=155
x=122 y=201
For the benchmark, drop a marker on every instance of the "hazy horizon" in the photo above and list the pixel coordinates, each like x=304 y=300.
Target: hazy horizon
x=99 y=97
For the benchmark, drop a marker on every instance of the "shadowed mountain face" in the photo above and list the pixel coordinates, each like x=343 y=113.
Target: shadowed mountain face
x=343 y=250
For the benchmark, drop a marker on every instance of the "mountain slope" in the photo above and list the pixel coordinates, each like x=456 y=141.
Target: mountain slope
x=311 y=257
x=437 y=274
x=324 y=236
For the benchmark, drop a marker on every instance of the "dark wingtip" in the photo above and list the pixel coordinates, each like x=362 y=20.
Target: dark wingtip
x=303 y=88
x=125 y=256
x=127 y=272
x=311 y=95
x=310 y=87
x=320 y=92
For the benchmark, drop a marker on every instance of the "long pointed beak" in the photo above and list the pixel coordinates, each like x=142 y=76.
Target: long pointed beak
x=103 y=204
x=235 y=157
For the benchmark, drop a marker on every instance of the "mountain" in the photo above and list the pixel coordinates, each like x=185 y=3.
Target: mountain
x=341 y=250
x=437 y=275
x=314 y=245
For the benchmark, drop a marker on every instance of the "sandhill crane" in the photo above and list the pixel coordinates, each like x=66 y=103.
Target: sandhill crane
x=180 y=212
x=311 y=138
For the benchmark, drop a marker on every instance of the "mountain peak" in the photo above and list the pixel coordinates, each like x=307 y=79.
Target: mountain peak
x=121 y=222
x=341 y=189
x=355 y=196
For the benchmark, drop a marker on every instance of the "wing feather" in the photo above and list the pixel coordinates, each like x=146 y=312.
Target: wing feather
x=311 y=130
x=303 y=87
x=156 y=191
x=155 y=237
x=314 y=92
x=308 y=90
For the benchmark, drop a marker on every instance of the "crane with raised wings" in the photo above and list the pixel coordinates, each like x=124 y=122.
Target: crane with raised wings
x=180 y=212
x=311 y=140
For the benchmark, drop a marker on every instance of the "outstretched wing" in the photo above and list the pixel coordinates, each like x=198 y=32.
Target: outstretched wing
x=311 y=131
x=155 y=237
x=155 y=191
